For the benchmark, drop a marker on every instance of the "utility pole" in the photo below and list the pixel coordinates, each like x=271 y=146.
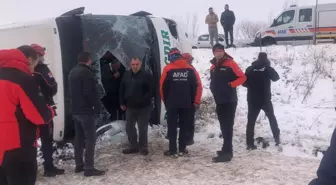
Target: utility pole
x=315 y=24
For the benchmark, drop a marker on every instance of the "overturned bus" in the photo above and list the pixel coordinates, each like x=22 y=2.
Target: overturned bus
x=138 y=35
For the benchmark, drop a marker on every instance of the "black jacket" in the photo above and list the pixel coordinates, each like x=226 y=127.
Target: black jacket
x=225 y=77
x=136 y=89
x=46 y=81
x=110 y=83
x=180 y=85
x=258 y=83
x=228 y=19
x=327 y=170
x=83 y=91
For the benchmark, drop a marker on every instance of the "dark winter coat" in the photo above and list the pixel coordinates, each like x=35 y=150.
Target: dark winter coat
x=22 y=108
x=258 y=83
x=326 y=173
x=225 y=77
x=228 y=19
x=180 y=85
x=83 y=91
x=112 y=84
x=46 y=81
x=136 y=89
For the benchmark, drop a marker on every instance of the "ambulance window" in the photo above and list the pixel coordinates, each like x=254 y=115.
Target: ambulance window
x=305 y=15
x=285 y=18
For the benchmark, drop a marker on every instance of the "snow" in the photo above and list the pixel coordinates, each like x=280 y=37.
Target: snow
x=306 y=128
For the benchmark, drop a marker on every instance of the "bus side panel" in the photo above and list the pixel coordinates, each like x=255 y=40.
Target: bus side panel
x=166 y=42
x=44 y=34
x=71 y=41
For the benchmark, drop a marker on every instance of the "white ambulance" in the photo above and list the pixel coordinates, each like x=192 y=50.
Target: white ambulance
x=141 y=34
x=296 y=26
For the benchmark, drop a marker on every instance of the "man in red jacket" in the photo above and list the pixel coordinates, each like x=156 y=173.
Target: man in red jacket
x=180 y=90
x=22 y=110
x=48 y=86
x=225 y=76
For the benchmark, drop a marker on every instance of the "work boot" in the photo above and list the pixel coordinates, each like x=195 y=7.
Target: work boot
x=93 y=172
x=79 y=169
x=52 y=171
x=183 y=152
x=144 y=151
x=222 y=158
x=190 y=142
x=251 y=147
x=130 y=151
x=168 y=153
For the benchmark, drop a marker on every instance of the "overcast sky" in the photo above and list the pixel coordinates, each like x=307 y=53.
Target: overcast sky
x=256 y=10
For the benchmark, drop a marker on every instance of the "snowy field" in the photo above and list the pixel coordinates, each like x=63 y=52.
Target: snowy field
x=304 y=106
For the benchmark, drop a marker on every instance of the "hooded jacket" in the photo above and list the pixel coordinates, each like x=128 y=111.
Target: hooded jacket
x=258 y=83
x=22 y=108
x=225 y=77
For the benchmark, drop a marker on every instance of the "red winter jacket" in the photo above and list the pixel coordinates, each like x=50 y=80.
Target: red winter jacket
x=22 y=108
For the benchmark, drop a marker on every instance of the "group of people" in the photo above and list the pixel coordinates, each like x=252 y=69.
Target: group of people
x=227 y=20
x=28 y=86
x=181 y=91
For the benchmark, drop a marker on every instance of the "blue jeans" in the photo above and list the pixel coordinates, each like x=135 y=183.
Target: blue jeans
x=85 y=135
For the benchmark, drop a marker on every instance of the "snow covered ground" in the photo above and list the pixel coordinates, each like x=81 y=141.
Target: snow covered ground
x=303 y=102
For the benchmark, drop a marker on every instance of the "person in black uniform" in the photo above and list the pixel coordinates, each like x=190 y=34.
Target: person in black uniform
x=48 y=87
x=112 y=72
x=259 y=76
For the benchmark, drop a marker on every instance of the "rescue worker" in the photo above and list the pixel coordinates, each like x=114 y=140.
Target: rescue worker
x=180 y=90
x=191 y=130
x=211 y=20
x=48 y=87
x=112 y=73
x=23 y=110
x=136 y=93
x=228 y=20
x=326 y=172
x=259 y=76
x=225 y=76
x=86 y=106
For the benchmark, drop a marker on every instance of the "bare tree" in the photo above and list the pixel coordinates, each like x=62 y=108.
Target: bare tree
x=247 y=29
x=190 y=23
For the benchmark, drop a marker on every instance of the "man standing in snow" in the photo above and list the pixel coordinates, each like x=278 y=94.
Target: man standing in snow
x=136 y=93
x=85 y=105
x=326 y=172
x=48 y=86
x=180 y=90
x=191 y=130
x=258 y=83
x=112 y=73
x=227 y=20
x=225 y=76
x=211 y=20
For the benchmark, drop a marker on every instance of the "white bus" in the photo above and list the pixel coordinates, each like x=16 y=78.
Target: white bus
x=64 y=37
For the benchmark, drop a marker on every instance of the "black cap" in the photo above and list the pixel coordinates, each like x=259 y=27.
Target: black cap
x=217 y=46
x=262 y=56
